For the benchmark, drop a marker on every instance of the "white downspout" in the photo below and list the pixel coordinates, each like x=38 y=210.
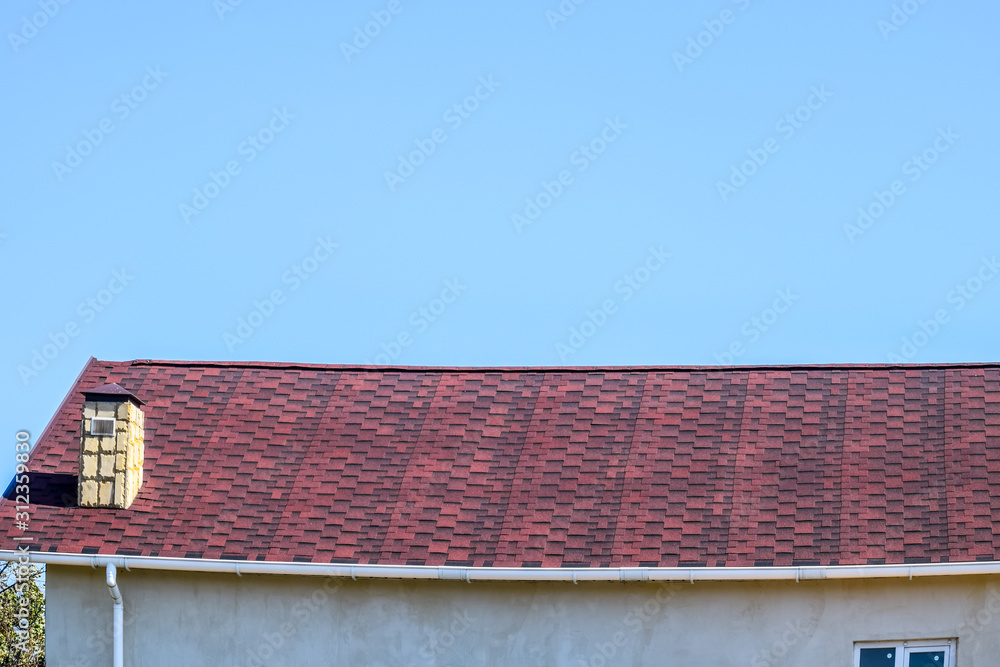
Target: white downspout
x=119 y=626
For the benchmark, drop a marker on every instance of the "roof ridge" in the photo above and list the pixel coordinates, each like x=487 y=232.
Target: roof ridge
x=278 y=365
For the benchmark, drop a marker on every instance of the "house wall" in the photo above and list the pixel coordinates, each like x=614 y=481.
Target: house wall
x=227 y=621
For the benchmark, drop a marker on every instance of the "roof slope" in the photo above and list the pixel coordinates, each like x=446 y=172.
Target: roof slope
x=832 y=465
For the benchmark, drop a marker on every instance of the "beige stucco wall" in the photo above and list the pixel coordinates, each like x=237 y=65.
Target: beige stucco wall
x=227 y=621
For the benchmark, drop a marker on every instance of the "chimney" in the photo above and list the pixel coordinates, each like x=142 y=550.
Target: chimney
x=111 y=450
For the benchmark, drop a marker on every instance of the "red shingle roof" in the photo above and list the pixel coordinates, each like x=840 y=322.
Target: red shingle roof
x=595 y=467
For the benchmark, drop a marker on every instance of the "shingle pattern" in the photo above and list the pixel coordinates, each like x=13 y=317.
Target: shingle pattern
x=553 y=467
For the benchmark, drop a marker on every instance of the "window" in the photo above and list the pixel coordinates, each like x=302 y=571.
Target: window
x=102 y=426
x=930 y=653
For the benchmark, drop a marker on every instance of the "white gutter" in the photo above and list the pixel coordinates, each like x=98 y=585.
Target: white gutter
x=119 y=627
x=470 y=574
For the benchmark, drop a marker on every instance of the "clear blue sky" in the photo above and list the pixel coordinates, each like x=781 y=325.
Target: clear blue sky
x=614 y=122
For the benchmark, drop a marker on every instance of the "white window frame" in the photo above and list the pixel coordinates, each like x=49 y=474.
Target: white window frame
x=903 y=649
x=95 y=420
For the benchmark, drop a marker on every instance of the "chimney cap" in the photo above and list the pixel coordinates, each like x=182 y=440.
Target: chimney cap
x=114 y=392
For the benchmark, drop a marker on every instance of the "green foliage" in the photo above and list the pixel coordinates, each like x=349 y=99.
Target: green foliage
x=19 y=648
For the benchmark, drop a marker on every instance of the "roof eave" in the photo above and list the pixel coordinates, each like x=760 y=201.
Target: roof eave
x=523 y=574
